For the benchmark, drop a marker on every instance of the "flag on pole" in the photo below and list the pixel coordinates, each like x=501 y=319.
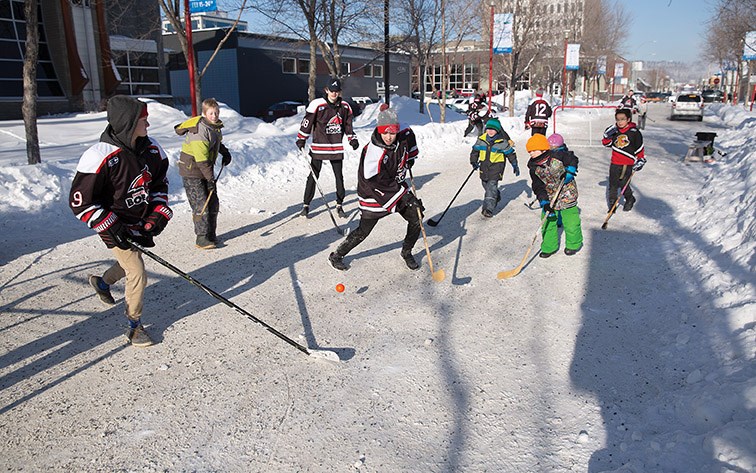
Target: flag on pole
x=503 y=33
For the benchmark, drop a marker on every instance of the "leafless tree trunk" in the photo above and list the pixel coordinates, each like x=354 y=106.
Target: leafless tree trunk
x=726 y=35
x=173 y=11
x=29 y=107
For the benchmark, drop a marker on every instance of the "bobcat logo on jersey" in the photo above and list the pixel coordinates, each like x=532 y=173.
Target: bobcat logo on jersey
x=138 y=193
x=333 y=127
x=622 y=141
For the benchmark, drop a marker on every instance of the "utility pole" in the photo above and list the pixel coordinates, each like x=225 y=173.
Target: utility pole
x=386 y=55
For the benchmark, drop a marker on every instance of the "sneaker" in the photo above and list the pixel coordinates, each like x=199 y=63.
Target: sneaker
x=337 y=261
x=570 y=252
x=340 y=211
x=204 y=243
x=101 y=289
x=487 y=213
x=410 y=260
x=305 y=211
x=546 y=255
x=138 y=337
x=629 y=204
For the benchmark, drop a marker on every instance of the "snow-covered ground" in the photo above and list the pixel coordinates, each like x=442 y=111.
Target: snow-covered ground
x=635 y=355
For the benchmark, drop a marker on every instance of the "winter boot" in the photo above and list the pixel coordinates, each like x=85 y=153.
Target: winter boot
x=546 y=255
x=102 y=290
x=487 y=213
x=340 y=211
x=204 y=243
x=410 y=261
x=137 y=336
x=570 y=252
x=629 y=202
x=305 y=211
x=337 y=261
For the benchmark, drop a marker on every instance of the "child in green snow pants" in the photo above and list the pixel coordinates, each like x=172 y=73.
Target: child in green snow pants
x=573 y=235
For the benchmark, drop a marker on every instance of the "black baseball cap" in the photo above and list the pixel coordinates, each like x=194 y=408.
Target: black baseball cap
x=334 y=85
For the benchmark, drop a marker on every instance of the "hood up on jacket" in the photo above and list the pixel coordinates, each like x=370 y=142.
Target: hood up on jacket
x=123 y=114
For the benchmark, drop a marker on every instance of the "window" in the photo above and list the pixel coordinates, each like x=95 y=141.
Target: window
x=303 y=66
x=289 y=65
x=377 y=70
x=138 y=71
x=346 y=68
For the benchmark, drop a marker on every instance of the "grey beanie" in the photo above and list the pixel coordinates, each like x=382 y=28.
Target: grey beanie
x=387 y=120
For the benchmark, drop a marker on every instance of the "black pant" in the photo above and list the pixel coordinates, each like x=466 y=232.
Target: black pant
x=205 y=223
x=317 y=164
x=538 y=129
x=618 y=176
x=407 y=210
x=474 y=124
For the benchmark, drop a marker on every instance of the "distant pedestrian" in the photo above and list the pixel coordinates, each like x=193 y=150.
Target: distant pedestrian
x=642 y=111
x=629 y=102
x=328 y=120
x=382 y=188
x=547 y=170
x=538 y=114
x=628 y=156
x=489 y=155
x=121 y=191
x=196 y=165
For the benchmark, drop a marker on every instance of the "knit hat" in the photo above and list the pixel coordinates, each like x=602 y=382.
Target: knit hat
x=537 y=142
x=556 y=140
x=388 y=122
x=494 y=124
x=539 y=93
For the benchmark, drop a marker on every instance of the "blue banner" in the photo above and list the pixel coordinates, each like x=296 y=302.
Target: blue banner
x=197 y=6
x=502 y=40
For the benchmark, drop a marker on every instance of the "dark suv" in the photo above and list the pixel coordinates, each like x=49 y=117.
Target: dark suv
x=712 y=95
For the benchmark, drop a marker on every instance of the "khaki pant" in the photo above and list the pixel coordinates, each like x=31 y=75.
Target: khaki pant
x=129 y=263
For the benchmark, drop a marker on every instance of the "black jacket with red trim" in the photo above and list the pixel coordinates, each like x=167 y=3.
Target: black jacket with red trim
x=538 y=113
x=114 y=182
x=382 y=173
x=327 y=123
x=626 y=144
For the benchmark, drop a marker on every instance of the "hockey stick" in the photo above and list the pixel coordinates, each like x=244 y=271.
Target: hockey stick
x=439 y=275
x=432 y=222
x=317 y=184
x=530 y=204
x=198 y=216
x=616 y=203
x=324 y=354
x=514 y=272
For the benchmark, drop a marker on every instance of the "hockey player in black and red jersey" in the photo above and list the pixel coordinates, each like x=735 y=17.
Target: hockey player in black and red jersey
x=628 y=101
x=478 y=113
x=538 y=114
x=628 y=156
x=327 y=120
x=382 y=189
x=121 y=191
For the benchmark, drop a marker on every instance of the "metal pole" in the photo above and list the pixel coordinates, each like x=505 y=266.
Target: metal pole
x=564 y=71
x=190 y=58
x=490 y=59
x=386 y=65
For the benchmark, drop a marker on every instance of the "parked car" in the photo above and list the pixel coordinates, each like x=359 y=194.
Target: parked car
x=466 y=92
x=655 y=97
x=278 y=110
x=687 y=105
x=712 y=95
x=459 y=105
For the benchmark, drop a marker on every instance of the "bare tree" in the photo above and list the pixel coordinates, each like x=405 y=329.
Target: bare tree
x=726 y=34
x=29 y=106
x=173 y=10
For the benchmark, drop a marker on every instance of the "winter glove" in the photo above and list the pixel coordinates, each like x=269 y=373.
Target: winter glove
x=639 y=164
x=546 y=206
x=210 y=186
x=475 y=164
x=527 y=126
x=301 y=144
x=611 y=132
x=516 y=169
x=354 y=143
x=226 y=156
x=570 y=175
x=411 y=201
x=157 y=219
x=115 y=234
x=410 y=163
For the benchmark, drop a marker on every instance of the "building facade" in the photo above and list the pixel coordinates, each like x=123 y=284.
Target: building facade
x=79 y=67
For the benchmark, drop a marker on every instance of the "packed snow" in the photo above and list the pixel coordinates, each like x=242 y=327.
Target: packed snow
x=635 y=355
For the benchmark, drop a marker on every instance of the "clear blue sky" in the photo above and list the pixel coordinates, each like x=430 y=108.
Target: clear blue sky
x=667 y=30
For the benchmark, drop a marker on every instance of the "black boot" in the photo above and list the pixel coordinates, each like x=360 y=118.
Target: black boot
x=340 y=211
x=409 y=260
x=337 y=261
x=629 y=202
x=305 y=211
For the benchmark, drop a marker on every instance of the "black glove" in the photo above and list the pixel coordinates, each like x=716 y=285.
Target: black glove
x=611 y=132
x=210 y=186
x=516 y=169
x=157 y=220
x=413 y=202
x=639 y=164
x=546 y=206
x=410 y=163
x=475 y=164
x=354 y=143
x=301 y=144
x=115 y=234
x=226 y=156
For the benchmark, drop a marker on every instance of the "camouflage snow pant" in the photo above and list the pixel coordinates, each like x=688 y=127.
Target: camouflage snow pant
x=205 y=222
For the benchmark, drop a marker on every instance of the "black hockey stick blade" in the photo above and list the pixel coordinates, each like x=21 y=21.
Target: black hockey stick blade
x=432 y=222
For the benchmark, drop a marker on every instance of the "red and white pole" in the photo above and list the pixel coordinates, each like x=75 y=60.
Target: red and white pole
x=190 y=58
x=490 y=59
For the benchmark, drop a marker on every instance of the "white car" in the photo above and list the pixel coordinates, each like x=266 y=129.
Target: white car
x=687 y=104
x=459 y=105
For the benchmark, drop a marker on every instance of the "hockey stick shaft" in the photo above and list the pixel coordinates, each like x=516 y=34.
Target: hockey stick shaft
x=197 y=217
x=317 y=184
x=616 y=202
x=439 y=275
x=214 y=294
x=432 y=222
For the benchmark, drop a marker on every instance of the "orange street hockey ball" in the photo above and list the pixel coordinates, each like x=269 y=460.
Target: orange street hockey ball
x=339 y=287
